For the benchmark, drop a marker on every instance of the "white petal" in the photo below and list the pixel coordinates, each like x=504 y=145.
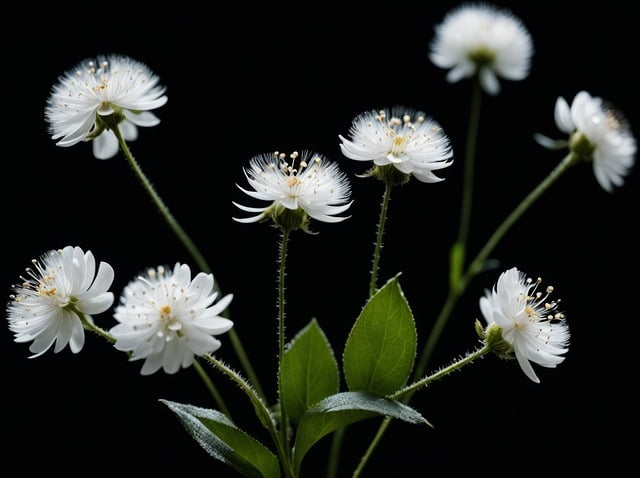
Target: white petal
x=105 y=146
x=526 y=367
x=489 y=81
x=562 y=116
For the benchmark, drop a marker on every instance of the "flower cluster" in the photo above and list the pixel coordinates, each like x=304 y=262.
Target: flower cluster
x=170 y=317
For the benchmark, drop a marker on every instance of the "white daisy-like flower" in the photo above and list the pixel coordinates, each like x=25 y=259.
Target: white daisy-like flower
x=597 y=132
x=96 y=89
x=529 y=321
x=61 y=290
x=403 y=137
x=166 y=318
x=484 y=40
x=304 y=183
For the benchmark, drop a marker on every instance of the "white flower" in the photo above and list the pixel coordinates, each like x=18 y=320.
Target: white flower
x=597 y=132
x=308 y=183
x=166 y=318
x=413 y=143
x=484 y=40
x=60 y=287
x=528 y=319
x=93 y=90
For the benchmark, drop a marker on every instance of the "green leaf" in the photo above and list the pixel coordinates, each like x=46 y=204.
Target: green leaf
x=381 y=347
x=221 y=439
x=309 y=371
x=342 y=409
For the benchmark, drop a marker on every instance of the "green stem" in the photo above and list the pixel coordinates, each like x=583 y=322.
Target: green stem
x=338 y=436
x=376 y=254
x=406 y=393
x=474 y=268
x=458 y=251
x=91 y=326
x=191 y=248
x=334 y=452
x=479 y=261
x=212 y=389
x=261 y=410
x=284 y=421
x=409 y=390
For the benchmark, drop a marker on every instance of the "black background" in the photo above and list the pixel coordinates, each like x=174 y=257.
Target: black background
x=242 y=82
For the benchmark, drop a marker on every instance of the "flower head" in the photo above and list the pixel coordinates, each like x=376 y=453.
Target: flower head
x=166 y=318
x=297 y=187
x=97 y=94
x=60 y=291
x=481 y=39
x=528 y=320
x=598 y=133
x=402 y=137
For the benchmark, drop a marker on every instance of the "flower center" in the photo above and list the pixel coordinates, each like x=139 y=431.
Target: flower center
x=401 y=130
x=45 y=288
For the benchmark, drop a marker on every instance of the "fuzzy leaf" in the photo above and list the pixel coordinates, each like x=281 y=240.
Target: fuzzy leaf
x=381 y=347
x=344 y=409
x=309 y=371
x=221 y=439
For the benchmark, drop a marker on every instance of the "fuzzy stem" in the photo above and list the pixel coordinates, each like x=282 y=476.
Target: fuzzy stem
x=284 y=421
x=338 y=436
x=409 y=390
x=406 y=393
x=474 y=268
x=479 y=261
x=378 y=248
x=261 y=411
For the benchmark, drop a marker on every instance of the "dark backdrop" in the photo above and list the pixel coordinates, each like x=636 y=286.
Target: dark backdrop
x=242 y=82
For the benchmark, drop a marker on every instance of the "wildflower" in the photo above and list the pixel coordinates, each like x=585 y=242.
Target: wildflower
x=598 y=133
x=480 y=39
x=58 y=295
x=166 y=319
x=530 y=326
x=404 y=138
x=297 y=187
x=91 y=99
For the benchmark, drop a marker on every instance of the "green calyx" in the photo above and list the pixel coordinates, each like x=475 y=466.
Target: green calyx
x=389 y=174
x=580 y=145
x=482 y=57
x=288 y=219
x=106 y=122
x=492 y=336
